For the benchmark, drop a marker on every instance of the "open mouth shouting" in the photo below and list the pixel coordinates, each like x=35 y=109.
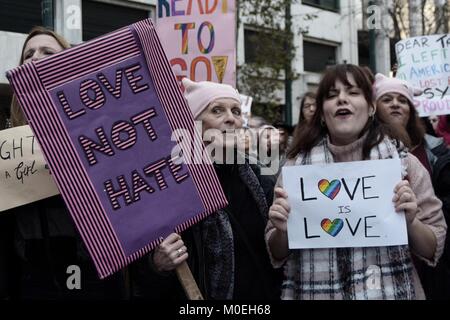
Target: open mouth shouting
x=343 y=113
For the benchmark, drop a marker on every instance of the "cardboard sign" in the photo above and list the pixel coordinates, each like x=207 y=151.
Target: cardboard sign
x=425 y=63
x=104 y=113
x=199 y=38
x=344 y=205
x=24 y=175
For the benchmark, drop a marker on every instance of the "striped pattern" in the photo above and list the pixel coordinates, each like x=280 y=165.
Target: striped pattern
x=139 y=184
x=175 y=107
x=174 y=168
x=116 y=92
x=67 y=110
x=37 y=79
x=131 y=138
x=69 y=174
x=155 y=169
x=114 y=194
x=144 y=117
x=134 y=80
x=88 y=145
x=83 y=59
x=90 y=86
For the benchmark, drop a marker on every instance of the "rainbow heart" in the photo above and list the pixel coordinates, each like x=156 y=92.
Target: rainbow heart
x=332 y=227
x=329 y=189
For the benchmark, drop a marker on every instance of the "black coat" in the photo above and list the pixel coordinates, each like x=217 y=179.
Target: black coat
x=436 y=281
x=254 y=276
x=41 y=245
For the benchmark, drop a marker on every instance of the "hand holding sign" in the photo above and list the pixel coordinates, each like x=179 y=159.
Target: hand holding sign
x=170 y=253
x=279 y=211
x=405 y=200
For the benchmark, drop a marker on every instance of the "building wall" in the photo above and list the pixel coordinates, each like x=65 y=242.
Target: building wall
x=328 y=27
x=11 y=42
x=332 y=28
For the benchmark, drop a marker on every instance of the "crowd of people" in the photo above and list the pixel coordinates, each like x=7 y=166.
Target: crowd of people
x=241 y=252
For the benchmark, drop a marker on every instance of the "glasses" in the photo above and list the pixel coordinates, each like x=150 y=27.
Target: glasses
x=309 y=105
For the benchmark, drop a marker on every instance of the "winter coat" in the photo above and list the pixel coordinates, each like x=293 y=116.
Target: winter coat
x=254 y=277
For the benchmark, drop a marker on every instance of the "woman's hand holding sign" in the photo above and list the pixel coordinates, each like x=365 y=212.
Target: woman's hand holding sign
x=279 y=211
x=278 y=216
x=170 y=253
x=404 y=199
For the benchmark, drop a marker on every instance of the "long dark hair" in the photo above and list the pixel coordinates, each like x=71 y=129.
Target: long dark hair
x=301 y=117
x=311 y=134
x=415 y=128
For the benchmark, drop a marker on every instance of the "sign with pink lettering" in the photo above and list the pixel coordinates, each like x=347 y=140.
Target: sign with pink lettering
x=425 y=63
x=104 y=113
x=199 y=38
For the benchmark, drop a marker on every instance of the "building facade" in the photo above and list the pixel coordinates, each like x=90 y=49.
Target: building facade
x=331 y=35
x=76 y=20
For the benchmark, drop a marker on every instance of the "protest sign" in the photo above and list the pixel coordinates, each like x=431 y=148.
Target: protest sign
x=199 y=38
x=24 y=175
x=104 y=113
x=344 y=205
x=425 y=63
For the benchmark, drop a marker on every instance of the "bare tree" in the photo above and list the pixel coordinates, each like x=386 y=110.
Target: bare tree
x=418 y=17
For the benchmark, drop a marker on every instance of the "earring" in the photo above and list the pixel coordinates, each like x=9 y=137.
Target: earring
x=322 y=122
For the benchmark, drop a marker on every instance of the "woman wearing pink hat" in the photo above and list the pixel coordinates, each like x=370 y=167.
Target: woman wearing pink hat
x=395 y=106
x=226 y=252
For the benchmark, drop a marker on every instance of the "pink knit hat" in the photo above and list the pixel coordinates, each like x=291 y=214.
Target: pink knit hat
x=385 y=85
x=200 y=94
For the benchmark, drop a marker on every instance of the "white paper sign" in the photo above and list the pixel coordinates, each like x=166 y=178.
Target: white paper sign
x=425 y=63
x=344 y=205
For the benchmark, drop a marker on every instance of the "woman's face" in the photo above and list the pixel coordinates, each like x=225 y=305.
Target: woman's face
x=434 y=121
x=224 y=115
x=394 y=108
x=345 y=112
x=40 y=46
x=309 y=108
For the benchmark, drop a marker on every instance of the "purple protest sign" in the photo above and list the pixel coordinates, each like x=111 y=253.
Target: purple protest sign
x=104 y=114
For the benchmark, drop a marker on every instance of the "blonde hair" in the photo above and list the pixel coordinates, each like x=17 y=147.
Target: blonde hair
x=17 y=116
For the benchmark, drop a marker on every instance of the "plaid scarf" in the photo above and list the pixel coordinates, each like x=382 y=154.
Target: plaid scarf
x=349 y=273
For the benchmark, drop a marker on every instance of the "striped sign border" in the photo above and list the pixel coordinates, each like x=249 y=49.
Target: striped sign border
x=38 y=78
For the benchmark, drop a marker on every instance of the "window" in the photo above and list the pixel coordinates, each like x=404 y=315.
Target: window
x=318 y=56
x=259 y=45
x=332 y=5
x=19 y=15
x=250 y=43
x=100 y=18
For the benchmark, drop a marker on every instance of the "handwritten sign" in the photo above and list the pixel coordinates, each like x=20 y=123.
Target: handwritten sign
x=199 y=38
x=425 y=63
x=24 y=175
x=104 y=113
x=344 y=205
